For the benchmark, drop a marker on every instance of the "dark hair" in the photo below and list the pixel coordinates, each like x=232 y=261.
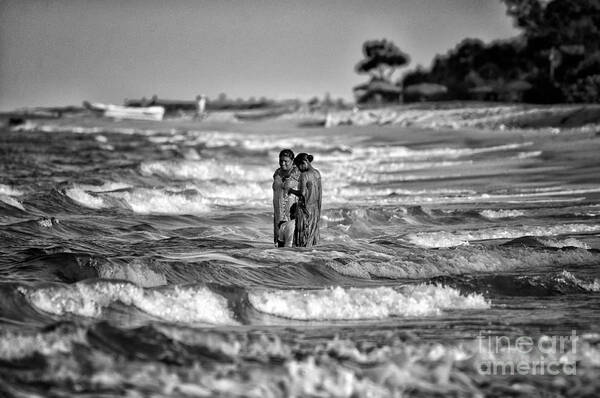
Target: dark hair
x=302 y=157
x=288 y=153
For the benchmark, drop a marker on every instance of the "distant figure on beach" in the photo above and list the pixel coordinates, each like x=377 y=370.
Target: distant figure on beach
x=200 y=106
x=309 y=195
x=286 y=177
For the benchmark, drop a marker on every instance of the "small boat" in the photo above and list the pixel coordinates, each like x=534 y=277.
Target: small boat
x=127 y=112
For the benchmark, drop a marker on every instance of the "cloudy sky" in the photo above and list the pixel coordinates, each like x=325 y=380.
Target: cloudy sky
x=62 y=52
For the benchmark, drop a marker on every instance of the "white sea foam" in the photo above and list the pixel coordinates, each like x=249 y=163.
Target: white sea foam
x=455 y=238
x=189 y=199
x=9 y=191
x=363 y=303
x=80 y=196
x=207 y=170
x=192 y=304
x=507 y=213
x=593 y=286
x=152 y=201
x=237 y=193
x=15 y=345
x=330 y=367
x=187 y=305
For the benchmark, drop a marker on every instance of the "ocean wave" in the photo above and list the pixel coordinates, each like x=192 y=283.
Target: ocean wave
x=188 y=199
x=568 y=277
x=77 y=129
x=567 y=242
x=488 y=117
x=88 y=195
x=424 y=263
x=508 y=284
x=388 y=152
x=135 y=271
x=9 y=200
x=254 y=143
x=207 y=170
x=151 y=201
x=107 y=186
x=428 y=195
x=82 y=197
x=185 y=304
x=190 y=363
x=457 y=238
x=236 y=193
x=363 y=303
x=16 y=345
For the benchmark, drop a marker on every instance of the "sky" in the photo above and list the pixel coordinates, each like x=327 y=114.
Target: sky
x=62 y=52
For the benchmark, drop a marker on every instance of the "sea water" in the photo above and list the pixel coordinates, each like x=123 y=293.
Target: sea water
x=137 y=259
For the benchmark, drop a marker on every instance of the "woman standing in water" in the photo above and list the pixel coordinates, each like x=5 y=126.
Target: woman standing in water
x=285 y=178
x=309 y=194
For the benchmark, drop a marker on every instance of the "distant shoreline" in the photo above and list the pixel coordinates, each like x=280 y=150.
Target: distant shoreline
x=451 y=114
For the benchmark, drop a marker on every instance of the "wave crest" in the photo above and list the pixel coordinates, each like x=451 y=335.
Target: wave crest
x=193 y=304
x=363 y=303
x=457 y=238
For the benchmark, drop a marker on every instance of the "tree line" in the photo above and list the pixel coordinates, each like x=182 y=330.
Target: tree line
x=556 y=58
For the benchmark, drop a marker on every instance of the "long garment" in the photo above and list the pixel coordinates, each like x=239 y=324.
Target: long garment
x=282 y=203
x=308 y=209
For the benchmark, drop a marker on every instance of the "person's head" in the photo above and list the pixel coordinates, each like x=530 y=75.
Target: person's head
x=303 y=161
x=286 y=159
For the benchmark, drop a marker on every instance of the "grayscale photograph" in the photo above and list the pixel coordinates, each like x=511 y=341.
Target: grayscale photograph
x=310 y=198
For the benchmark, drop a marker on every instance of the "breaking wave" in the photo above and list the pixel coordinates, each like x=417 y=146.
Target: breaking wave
x=206 y=170
x=363 y=303
x=191 y=304
x=423 y=263
x=449 y=239
x=9 y=200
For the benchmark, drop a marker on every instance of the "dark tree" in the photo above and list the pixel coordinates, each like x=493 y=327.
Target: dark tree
x=562 y=42
x=555 y=59
x=382 y=59
x=527 y=14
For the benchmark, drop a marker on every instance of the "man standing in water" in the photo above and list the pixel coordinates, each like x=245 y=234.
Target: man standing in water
x=285 y=178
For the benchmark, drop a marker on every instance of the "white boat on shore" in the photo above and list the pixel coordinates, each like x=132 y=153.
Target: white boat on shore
x=127 y=112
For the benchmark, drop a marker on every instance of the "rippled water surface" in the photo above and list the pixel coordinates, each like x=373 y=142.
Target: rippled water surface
x=137 y=260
